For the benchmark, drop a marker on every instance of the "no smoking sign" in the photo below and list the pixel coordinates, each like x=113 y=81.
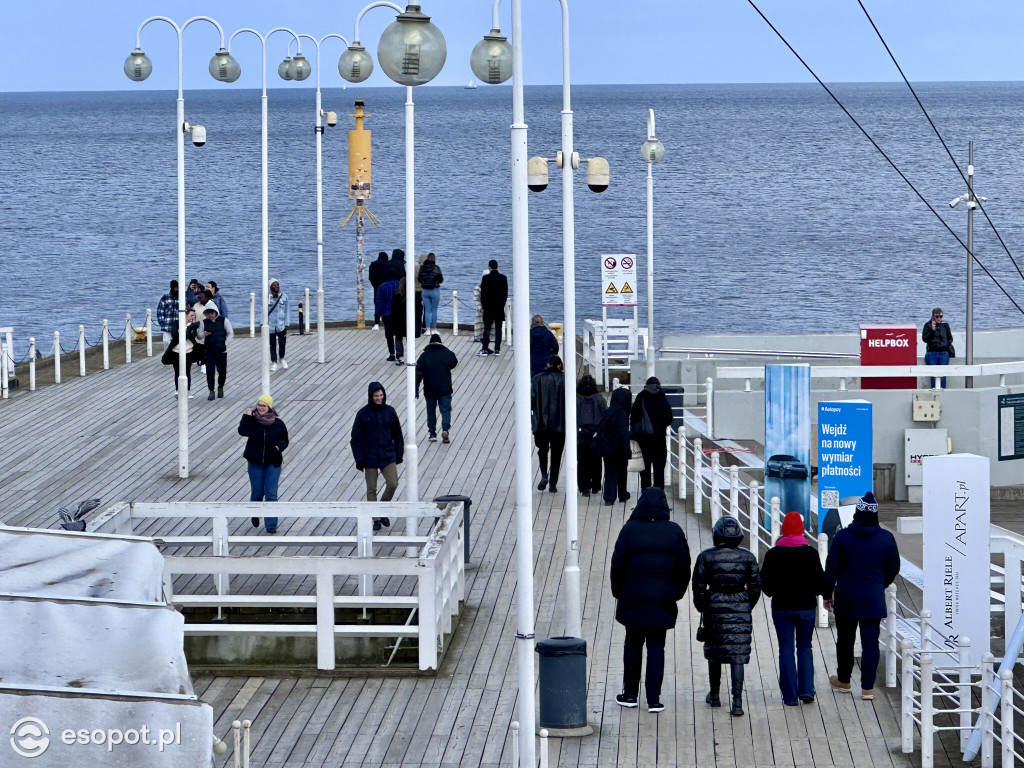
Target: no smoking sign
x=618 y=280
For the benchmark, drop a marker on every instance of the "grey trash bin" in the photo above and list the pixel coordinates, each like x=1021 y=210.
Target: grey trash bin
x=563 y=682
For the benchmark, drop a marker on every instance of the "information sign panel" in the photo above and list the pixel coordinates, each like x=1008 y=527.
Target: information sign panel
x=1011 y=427
x=618 y=280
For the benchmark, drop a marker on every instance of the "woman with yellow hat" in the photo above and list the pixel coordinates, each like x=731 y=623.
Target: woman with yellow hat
x=267 y=438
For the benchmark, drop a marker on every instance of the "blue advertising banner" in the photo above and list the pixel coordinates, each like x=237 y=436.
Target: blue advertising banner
x=845 y=466
x=787 y=438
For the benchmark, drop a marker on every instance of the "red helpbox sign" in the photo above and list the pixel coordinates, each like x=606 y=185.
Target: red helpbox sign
x=888 y=345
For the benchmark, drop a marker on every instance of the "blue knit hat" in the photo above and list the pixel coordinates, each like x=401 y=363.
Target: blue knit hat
x=868 y=504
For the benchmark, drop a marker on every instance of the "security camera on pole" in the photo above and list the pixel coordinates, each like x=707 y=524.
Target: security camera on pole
x=971 y=199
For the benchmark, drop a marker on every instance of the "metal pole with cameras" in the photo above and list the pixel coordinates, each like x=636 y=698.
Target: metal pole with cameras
x=264 y=215
x=972 y=202
x=224 y=68
x=652 y=152
x=332 y=120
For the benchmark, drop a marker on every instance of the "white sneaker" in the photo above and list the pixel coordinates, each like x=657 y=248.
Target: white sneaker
x=376 y=327
x=175 y=394
x=190 y=395
x=273 y=367
x=202 y=369
x=284 y=363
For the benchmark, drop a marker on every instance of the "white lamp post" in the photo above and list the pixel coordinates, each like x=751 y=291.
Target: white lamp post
x=295 y=71
x=224 y=68
x=411 y=52
x=265 y=227
x=489 y=64
x=652 y=152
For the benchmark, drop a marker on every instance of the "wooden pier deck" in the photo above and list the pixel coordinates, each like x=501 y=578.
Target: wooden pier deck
x=113 y=435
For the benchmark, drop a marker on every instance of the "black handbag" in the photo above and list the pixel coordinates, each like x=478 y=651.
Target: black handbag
x=952 y=352
x=701 y=636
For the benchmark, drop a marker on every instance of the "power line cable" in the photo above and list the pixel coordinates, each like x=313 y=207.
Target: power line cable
x=882 y=153
x=939 y=135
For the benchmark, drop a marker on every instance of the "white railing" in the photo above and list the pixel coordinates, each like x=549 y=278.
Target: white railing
x=845 y=373
x=609 y=345
x=437 y=569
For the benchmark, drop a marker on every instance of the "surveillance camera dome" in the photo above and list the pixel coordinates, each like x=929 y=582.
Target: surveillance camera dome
x=198 y=135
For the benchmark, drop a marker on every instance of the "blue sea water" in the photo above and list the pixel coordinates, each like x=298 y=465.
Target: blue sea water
x=771 y=209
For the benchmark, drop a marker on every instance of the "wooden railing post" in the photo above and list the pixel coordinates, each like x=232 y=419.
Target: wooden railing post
x=106 y=346
x=325 y=658
x=455 y=313
x=698 y=485
x=128 y=333
x=56 y=357
x=32 y=364
x=81 y=350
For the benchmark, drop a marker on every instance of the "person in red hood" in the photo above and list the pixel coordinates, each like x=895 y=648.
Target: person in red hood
x=791 y=576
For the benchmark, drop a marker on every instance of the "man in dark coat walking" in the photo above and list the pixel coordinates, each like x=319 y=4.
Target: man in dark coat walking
x=726 y=587
x=650 y=571
x=378 y=273
x=651 y=416
x=543 y=345
x=377 y=446
x=434 y=370
x=493 y=295
x=547 y=401
x=862 y=561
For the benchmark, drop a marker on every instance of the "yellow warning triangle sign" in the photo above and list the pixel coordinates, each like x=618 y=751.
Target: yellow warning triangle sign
x=626 y=288
x=611 y=288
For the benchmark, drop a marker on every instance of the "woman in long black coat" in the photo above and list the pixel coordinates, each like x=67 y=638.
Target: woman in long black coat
x=612 y=443
x=650 y=417
x=650 y=571
x=726 y=587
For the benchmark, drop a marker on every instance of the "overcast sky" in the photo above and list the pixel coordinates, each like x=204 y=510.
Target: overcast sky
x=78 y=45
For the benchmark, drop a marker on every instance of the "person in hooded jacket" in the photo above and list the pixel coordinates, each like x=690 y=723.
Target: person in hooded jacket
x=862 y=561
x=791 y=576
x=397 y=263
x=398 y=322
x=650 y=571
x=377 y=273
x=547 y=403
x=611 y=442
x=430 y=279
x=377 y=446
x=543 y=345
x=726 y=587
x=434 y=369
x=651 y=416
x=266 y=438
x=590 y=409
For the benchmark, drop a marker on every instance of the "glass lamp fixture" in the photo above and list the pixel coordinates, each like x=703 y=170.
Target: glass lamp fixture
x=411 y=50
x=355 y=64
x=300 y=68
x=283 y=69
x=491 y=59
x=224 y=67
x=138 y=66
x=652 y=151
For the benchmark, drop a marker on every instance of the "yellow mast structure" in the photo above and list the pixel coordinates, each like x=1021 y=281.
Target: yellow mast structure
x=360 y=189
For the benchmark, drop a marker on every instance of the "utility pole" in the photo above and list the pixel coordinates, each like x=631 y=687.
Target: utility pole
x=972 y=202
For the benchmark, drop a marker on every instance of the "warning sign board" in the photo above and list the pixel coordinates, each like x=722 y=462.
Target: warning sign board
x=618 y=276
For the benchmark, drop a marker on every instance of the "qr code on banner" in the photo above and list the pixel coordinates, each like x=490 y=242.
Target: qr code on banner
x=830 y=499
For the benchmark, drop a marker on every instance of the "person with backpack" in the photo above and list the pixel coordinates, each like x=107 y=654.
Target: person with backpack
x=611 y=442
x=589 y=410
x=277 y=317
x=651 y=416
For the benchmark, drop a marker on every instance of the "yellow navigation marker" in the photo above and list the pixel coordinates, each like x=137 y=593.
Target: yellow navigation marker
x=611 y=288
x=626 y=288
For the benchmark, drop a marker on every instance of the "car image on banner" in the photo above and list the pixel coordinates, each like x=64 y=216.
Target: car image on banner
x=787 y=438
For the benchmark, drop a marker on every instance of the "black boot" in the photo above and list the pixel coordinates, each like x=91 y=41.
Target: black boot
x=737 y=690
x=715 y=681
x=543 y=481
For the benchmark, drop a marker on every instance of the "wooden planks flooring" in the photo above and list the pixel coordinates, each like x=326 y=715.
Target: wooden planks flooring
x=113 y=435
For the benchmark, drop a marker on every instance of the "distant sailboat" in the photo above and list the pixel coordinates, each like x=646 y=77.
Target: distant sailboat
x=471 y=84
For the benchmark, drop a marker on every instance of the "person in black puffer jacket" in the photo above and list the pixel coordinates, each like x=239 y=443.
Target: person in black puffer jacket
x=650 y=571
x=543 y=345
x=430 y=279
x=267 y=437
x=377 y=446
x=791 y=576
x=726 y=587
x=434 y=371
x=612 y=443
x=590 y=408
x=649 y=432
x=547 y=402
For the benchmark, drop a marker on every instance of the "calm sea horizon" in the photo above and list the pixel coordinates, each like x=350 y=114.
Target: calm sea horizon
x=772 y=211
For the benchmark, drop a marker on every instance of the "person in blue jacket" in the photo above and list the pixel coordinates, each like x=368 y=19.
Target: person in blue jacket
x=377 y=446
x=543 y=345
x=862 y=562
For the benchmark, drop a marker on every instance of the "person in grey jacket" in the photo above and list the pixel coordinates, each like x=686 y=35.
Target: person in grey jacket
x=278 y=320
x=547 y=400
x=726 y=587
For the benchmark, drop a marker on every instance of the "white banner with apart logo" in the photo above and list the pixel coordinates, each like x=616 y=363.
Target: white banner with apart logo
x=957 y=552
x=618 y=280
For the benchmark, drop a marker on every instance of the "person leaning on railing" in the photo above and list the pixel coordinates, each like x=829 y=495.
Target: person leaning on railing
x=938 y=339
